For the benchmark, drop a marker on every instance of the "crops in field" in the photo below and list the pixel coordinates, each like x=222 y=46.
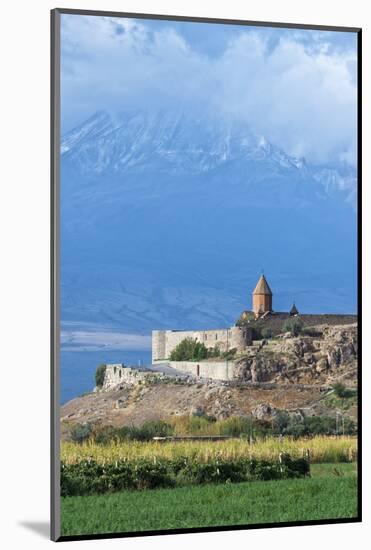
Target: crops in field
x=321 y=449
x=89 y=477
x=330 y=493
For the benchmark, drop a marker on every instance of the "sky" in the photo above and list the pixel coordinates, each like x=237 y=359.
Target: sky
x=284 y=83
x=297 y=88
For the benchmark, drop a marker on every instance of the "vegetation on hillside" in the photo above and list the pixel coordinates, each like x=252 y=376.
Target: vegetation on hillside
x=99 y=375
x=266 y=333
x=293 y=325
x=282 y=424
x=340 y=390
x=190 y=349
x=81 y=432
x=341 y=399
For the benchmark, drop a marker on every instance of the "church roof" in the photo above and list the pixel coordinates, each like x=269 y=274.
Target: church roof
x=294 y=310
x=262 y=287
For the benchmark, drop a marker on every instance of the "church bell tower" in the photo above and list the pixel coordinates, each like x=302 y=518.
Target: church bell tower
x=262 y=297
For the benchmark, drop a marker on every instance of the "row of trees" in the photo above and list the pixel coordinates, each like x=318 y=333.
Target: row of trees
x=190 y=349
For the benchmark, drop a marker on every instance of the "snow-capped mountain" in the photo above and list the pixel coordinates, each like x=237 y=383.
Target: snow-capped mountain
x=168 y=219
x=173 y=143
x=169 y=141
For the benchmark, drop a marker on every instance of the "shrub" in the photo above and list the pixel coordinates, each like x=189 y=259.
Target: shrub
x=198 y=423
x=150 y=475
x=281 y=421
x=294 y=326
x=229 y=354
x=195 y=424
x=298 y=467
x=236 y=426
x=146 y=432
x=320 y=425
x=256 y=333
x=89 y=477
x=99 y=375
x=107 y=434
x=189 y=350
x=312 y=331
x=149 y=430
x=340 y=390
x=245 y=320
x=80 y=432
x=213 y=352
x=266 y=333
x=296 y=430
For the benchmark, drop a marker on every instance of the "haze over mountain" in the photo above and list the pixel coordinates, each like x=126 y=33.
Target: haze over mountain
x=168 y=219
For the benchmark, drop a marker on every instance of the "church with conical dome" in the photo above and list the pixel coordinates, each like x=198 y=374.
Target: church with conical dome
x=251 y=325
x=262 y=297
x=262 y=306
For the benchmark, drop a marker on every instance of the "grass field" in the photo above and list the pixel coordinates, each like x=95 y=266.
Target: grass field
x=322 y=449
x=330 y=493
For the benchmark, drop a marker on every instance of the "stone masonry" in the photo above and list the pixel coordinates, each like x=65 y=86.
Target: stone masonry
x=164 y=341
x=215 y=370
x=116 y=374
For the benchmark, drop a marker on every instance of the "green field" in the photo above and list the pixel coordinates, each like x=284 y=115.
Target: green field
x=330 y=493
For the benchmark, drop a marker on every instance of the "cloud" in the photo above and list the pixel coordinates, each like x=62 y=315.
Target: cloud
x=298 y=88
x=305 y=102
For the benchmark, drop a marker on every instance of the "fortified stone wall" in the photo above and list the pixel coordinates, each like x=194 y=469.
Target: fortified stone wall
x=164 y=341
x=276 y=320
x=216 y=370
x=158 y=344
x=119 y=374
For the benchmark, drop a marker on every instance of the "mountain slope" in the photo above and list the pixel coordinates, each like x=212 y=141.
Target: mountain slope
x=167 y=221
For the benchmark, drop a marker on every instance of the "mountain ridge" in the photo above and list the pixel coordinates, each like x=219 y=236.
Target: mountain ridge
x=136 y=140
x=168 y=220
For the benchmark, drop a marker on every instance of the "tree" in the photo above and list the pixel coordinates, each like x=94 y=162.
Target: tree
x=245 y=319
x=189 y=350
x=99 y=375
x=294 y=326
x=266 y=333
x=281 y=421
x=80 y=432
x=340 y=390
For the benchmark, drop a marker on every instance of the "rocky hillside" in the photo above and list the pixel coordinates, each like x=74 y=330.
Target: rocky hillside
x=328 y=355
x=135 y=405
x=293 y=374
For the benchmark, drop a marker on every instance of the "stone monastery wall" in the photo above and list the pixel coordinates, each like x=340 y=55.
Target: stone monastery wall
x=164 y=341
x=215 y=370
x=118 y=374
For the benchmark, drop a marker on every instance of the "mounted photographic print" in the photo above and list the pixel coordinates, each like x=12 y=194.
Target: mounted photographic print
x=205 y=274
